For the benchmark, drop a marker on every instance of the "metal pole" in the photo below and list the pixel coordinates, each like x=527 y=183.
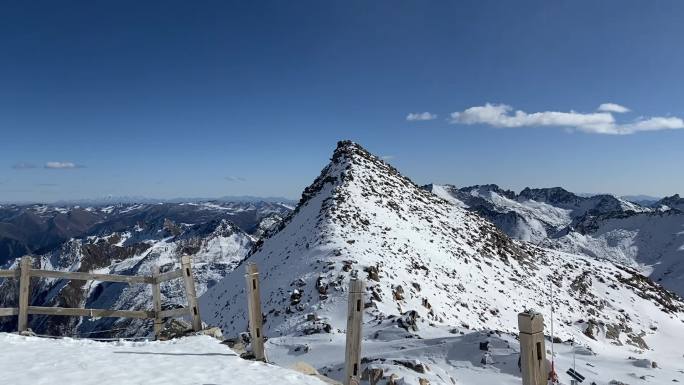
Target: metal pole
x=552 y=374
x=553 y=356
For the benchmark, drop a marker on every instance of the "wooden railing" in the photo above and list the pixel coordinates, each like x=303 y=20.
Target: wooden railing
x=26 y=272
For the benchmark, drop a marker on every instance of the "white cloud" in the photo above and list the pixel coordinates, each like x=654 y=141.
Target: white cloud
x=653 y=124
x=612 y=107
x=501 y=115
x=387 y=157
x=416 y=116
x=235 y=179
x=61 y=165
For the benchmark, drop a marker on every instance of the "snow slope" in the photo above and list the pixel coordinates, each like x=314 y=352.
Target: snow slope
x=199 y=360
x=602 y=226
x=534 y=215
x=421 y=253
x=526 y=220
x=654 y=242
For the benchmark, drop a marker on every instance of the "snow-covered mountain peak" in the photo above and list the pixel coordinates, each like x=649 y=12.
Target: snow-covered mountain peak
x=488 y=189
x=595 y=204
x=424 y=256
x=552 y=195
x=361 y=194
x=671 y=202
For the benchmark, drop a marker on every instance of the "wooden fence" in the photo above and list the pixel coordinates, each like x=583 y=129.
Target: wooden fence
x=355 y=306
x=26 y=272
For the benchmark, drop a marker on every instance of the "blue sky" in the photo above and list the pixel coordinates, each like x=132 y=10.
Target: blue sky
x=206 y=99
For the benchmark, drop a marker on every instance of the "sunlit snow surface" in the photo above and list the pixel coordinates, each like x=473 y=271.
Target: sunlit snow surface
x=450 y=355
x=197 y=360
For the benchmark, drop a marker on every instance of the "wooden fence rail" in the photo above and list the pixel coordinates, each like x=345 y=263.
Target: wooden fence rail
x=26 y=272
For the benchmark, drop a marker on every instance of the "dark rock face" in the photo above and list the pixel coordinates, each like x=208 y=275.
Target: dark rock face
x=674 y=202
x=553 y=195
x=490 y=187
x=647 y=289
x=408 y=321
x=37 y=228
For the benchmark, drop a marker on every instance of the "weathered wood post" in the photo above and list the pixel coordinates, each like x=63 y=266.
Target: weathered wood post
x=256 y=317
x=24 y=292
x=156 y=302
x=190 y=292
x=532 y=348
x=352 y=360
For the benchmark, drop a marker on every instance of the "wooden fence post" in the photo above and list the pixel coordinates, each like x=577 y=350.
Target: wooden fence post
x=24 y=292
x=156 y=302
x=352 y=360
x=532 y=349
x=254 y=311
x=191 y=293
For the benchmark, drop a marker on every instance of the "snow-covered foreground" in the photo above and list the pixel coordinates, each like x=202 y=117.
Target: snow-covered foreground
x=187 y=361
x=443 y=355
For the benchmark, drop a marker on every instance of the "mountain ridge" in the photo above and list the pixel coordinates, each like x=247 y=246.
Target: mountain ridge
x=421 y=255
x=649 y=239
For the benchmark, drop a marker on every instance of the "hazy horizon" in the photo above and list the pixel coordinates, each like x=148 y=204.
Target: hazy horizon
x=252 y=197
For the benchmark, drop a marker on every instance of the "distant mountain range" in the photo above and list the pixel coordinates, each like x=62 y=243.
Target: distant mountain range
x=125 y=239
x=39 y=228
x=109 y=200
x=644 y=200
